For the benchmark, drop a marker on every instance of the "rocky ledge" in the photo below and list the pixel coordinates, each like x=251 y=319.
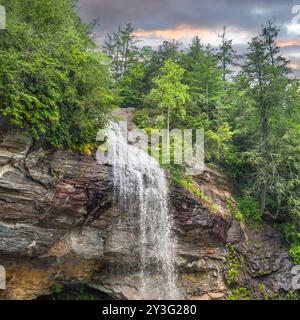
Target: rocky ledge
x=58 y=225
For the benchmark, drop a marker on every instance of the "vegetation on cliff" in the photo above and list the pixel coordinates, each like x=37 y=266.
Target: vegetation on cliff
x=57 y=84
x=249 y=106
x=53 y=79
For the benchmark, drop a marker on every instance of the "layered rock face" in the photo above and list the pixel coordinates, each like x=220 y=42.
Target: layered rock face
x=58 y=224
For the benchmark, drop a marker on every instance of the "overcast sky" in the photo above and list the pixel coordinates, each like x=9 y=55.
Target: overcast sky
x=158 y=20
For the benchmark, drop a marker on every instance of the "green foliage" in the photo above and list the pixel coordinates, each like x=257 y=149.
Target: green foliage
x=240 y=294
x=291 y=233
x=263 y=291
x=82 y=295
x=203 y=77
x=62 y=293
x=57 y=85
x=249 y=208
x=290 y=295
x=169 y=94
x=120 y=47
x=217 y=142
x=295 y=253
x=227 y=55
x=189 y=184
x=132 y=86
x=233 y=264
x=57 y=288
x=238 y=215
x=292 y=236
x=141 y=118
x=52 y=81
x=266 y=122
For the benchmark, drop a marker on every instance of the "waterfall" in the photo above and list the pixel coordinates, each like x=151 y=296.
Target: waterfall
x=141 y=190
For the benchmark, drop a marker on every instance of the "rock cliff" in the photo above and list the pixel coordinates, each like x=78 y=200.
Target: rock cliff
x=58 y=225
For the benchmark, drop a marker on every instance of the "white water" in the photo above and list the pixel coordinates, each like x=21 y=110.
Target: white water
x=141 y=190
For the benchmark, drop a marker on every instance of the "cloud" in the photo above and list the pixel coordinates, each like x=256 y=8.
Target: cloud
x=289 y=42
x=185 y=33
x=294 y=65
x=166 y=14
x=158 y=20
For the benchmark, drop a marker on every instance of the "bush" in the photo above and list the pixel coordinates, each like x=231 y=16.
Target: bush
x=240 y=294
x=295 y=253
x=141 y=118
x=238 y=215
x=57 y=288
x=250 y=209
x=291 y=234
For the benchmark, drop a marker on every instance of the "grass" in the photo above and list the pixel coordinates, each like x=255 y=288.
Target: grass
x=192 y=186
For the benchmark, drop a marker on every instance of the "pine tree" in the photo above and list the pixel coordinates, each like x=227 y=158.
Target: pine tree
x=266 y=79
x=227 y=55
x=204 y=77
x=120 y=46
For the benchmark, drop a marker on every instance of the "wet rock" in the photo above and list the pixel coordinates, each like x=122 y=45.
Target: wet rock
x=58 y=223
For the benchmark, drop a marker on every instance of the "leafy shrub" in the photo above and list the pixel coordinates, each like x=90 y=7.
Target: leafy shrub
x=292 y=236
x=249 y=208
x=233 y=264
x=240 y=294
x=295 y=253
x=57 y=288
x=238 y=215
x=141 y=118
x=291 y=233
x=189 y=184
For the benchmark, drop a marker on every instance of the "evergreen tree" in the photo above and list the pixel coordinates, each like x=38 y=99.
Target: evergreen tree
x=120 y=46
x=204 y=78
x=266 y=79
x=227 y=55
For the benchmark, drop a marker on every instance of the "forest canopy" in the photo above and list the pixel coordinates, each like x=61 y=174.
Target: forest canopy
x=248 y=104
x=53 y=79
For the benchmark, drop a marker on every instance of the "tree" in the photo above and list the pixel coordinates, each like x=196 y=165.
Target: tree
x=227 y=55
x=120 y=47
x=168 y=50
x=137 y=81
x=204 y=78
x=53 y=81
x=266 y=79
x=270 y=33
x=169 y=93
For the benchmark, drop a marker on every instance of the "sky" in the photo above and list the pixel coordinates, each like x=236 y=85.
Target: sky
x=159 y=20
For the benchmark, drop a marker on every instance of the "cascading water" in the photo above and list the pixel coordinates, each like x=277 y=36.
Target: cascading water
x=141 y=190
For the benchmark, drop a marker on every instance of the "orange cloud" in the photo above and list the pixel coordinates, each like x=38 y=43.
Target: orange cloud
x=181 y=31
x=289 y=42
x=294 y=65
x=185 y=31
